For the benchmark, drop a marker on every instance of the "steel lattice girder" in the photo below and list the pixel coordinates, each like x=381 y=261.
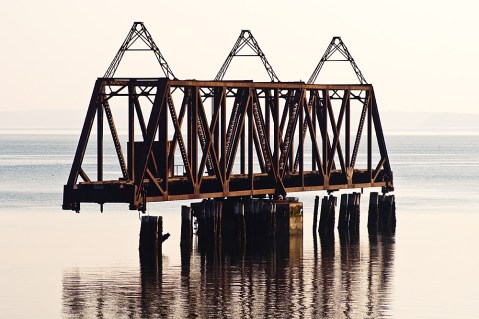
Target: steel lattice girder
x=231 y=139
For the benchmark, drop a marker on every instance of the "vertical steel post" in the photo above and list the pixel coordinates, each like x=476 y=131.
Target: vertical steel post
x=348 y=134
x=162 y=153
x=223 y=134
x=216 y=104
x=250 y=139
x=267 y=113
x=301 y=139
x=369 y=99
x=194 y=136
x=276 y=131
x=99 y=122
x=324 y=119
x=243 y=151
x=131 y=131
x=189 y=129
x=313 y=118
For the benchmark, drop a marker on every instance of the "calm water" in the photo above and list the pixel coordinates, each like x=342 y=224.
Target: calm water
x=60 y=264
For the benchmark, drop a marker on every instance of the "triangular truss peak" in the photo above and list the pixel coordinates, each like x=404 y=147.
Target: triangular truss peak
x=246 y=39
x=337 y=45
x=139 y=32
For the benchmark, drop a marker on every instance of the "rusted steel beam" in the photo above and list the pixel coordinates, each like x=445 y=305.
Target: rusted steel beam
x=245 y=113
x=123 y=82
x=85 y=133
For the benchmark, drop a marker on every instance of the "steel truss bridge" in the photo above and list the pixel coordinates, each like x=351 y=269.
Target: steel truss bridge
x=216 y=139
x=286 y=137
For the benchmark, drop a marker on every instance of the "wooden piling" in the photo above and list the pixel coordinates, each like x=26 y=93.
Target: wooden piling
x=186 y=239
x=249 y=218
x=353 y=208
x=323 y=216
x=332 y=213
x=186 y=227
x=239 y=221
x=327 y=217
x=387 y=215
x=315 y=216
x=380 y=212
x=343 y=220
x=151 y=234
x=218 y=220
x=270 y=211
x=373 y=213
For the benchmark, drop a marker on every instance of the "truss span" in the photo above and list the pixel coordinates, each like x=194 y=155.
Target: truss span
x=216 y=139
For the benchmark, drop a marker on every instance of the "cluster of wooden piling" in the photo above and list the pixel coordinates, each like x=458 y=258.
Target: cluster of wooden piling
x=348 y=220
x=257 y=220
x=382 y=214
x=209 y=215
x=381 y=218
x=237 y=220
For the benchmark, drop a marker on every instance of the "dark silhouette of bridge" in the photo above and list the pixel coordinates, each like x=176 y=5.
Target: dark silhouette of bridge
x=191 y=139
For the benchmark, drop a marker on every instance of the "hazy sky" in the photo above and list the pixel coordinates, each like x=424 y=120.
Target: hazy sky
x=419 y=55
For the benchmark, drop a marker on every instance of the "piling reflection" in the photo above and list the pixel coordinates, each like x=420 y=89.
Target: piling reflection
x=380 y=274
x=335 y=277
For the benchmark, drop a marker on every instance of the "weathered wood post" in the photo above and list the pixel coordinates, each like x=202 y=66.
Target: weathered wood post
x=373 y=213
x=218 y=221
x=327 y=218
x=332 y=213
x=380 y=212
x=270 y=210
x=186 y=227
x=315 y=216
x=323 y=216
x=343 y=220
x=249 y=218
x=239 y=221
x=186 y=239
x=151 y=235
x=387 y=215
x=354 y=212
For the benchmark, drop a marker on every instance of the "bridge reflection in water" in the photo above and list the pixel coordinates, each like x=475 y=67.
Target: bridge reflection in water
x=337 y=278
